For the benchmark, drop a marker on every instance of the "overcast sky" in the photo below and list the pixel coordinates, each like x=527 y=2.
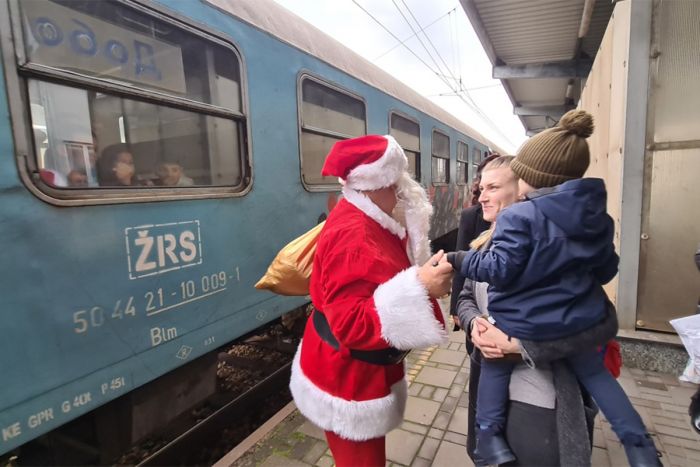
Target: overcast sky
x=461 y=56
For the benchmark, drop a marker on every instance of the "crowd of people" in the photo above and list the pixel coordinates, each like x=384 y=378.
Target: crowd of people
x=535 y=250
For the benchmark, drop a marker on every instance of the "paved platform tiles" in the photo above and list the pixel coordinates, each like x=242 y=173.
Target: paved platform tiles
x=435 y=423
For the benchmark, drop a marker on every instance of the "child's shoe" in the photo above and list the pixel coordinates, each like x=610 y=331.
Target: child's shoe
x=642 y=454
x=492 y=448
x=694 y=410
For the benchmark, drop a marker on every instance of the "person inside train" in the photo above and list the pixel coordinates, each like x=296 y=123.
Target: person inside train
x=171 y=174
x=547 y=260
x=116 y=167
x=532 y=391
x=373 y=287
x=77 y=179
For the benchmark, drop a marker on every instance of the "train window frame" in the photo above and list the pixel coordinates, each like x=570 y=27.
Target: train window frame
x=434 y=156
x=476 y=161
x=418 y=154
x=301 y=128
x=19 y=72
x=463 y=163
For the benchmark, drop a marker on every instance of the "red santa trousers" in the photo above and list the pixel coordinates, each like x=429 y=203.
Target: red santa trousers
x=347 y=453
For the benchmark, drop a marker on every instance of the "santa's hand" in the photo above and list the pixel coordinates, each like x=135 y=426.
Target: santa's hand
x=436 y=275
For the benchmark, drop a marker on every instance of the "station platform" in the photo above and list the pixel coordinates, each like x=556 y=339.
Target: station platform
x=435 y=423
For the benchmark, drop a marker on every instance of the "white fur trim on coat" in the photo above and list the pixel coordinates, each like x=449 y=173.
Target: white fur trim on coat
x=406 y=312
x=381 y=173
x=364 y=204
x=353 y=420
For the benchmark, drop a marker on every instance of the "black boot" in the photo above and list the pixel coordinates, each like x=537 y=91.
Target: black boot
x=694 y=411
x=492 y=449
x=642 y=454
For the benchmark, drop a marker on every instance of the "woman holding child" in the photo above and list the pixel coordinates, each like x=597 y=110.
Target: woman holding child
x=546 y=260
x=533 y=391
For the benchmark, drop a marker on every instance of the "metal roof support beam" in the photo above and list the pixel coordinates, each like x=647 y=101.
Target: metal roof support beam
x=474 y=17
x=554 y=111
x=570 y=69
x=633 y=159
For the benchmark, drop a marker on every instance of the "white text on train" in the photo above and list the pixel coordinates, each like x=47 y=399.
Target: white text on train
x=155 y=249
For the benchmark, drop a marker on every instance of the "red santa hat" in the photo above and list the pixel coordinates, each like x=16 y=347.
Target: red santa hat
x=366 y=163
x=372 y=162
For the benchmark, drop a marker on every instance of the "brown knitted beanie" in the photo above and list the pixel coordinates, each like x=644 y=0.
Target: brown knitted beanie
x=557 y=154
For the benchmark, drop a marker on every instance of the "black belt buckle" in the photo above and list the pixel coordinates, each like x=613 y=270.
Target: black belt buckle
x=388 y=356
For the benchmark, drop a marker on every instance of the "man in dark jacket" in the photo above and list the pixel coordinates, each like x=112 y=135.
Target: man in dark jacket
x=545 y=267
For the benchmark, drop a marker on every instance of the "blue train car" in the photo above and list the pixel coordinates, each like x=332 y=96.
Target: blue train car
x=154 y=156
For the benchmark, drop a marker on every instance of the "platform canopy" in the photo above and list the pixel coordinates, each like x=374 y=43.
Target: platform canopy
x=541 y=50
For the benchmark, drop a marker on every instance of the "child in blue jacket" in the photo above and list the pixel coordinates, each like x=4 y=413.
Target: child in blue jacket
x=548 y=259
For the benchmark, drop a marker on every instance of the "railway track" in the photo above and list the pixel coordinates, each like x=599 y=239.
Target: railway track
x=180 y=451
x=250 y=385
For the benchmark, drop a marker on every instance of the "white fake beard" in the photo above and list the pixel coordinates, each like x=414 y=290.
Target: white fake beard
x=413 y=211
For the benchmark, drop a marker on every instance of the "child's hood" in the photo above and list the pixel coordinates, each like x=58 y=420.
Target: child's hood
x=578 y=206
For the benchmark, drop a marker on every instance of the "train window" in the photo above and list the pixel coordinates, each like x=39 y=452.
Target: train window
x=440 y=158
x=108 y=40
x=327 y=115
x=476 y=159
x=462 y=163
x=145 y=103
x=86 y=139
x=407 y=134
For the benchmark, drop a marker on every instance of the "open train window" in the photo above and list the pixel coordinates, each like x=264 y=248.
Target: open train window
x=462 y=163
x=476 y=159
x=145 y=108
x=327 y=114
x=407 y=134
x=440 y=158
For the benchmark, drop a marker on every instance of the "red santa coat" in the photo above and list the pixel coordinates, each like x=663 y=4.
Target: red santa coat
x=364 y=284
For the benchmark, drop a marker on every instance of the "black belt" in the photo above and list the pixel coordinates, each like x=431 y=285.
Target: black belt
x=388 y=356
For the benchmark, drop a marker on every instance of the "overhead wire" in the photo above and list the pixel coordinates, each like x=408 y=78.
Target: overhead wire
x=421 y=42
x=413 y=35
x=465 y=96
x=452 y=47
x=395 y=37
x=456 y=45
x=461 y=93
x=426 y=36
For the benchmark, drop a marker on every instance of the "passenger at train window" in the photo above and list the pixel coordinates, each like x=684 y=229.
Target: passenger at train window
x=77 y=179
x=53 y=178
x=171 y=174
x=116 y=166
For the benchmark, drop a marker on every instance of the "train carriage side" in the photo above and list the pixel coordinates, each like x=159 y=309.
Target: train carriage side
x=105 y=286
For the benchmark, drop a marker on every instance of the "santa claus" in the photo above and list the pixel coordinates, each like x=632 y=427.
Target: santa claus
x=373 y=287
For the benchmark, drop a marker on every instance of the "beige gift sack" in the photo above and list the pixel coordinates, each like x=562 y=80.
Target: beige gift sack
x=290 y=271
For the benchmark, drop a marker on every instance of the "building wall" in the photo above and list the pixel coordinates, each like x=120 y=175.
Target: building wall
x=652 y=172
x=604 y=96
x=669 y=283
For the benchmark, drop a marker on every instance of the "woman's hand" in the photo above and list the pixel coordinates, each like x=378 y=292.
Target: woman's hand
x=492 y=342
x=436 y=275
